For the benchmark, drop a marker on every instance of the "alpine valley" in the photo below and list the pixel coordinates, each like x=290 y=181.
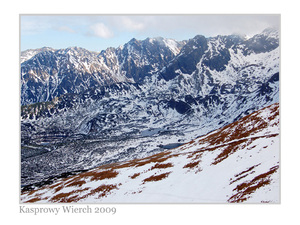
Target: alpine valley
x=209 y=105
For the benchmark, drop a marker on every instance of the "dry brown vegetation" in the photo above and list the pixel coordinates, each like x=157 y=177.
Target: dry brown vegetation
x=245 y=189
x=157 y=158
x=237 y=179
x=243 y=172
x=108 y=173
x=195 y=155
x=66 y=197
x=134 y=175
x=161 y=166
x=102 y=190
x=227 y=145
x=57 y=189
x=192 y=164
x=156 y=177
x=31 y=192
x=232 y=147
x=96 y=175
x=54 y=186
x=62 y=197
x=78 y=183
x=233 y=135
x=33 y=200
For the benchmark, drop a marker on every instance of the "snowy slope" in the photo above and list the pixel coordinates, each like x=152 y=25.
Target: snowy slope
x=236 y=163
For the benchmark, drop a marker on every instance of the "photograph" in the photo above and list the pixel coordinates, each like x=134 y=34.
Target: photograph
x=149 y=108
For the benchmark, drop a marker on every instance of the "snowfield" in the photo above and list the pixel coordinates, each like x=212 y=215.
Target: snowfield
x=236 y=163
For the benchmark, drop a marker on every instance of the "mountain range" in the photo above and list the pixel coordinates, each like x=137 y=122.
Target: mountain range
x=82 y=109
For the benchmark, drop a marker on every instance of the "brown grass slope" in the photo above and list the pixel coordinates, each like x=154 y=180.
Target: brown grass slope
x=227 y=140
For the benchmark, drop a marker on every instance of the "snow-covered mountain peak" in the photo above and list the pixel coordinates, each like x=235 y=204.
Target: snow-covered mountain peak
x=76 y=52
x=239 y=36
x=173 y=45
x=272 y=32
x=28 y=54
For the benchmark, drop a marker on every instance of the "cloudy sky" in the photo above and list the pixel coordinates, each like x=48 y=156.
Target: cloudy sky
x=96 y=33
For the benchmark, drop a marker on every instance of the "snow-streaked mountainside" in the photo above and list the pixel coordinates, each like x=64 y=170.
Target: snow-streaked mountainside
x=52 y=73
x=236 y=163
x=91 y=109
x=28 y=54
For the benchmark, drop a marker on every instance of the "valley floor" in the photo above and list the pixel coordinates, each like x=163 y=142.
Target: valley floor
x=233 y=164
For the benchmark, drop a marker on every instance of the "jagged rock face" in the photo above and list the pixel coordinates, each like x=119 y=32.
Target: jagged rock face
x=132 y=101
x=188 y=58
x=144 y=58
x=267 y=41
x=50 y=74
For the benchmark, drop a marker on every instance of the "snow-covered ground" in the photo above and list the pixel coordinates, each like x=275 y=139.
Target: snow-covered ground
x=236 y=163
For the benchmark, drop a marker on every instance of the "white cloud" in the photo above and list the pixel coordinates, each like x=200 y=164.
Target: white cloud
x=132 y=25
x=66 y=29
x=185 y=26
x=100 y=30
x=32 y=26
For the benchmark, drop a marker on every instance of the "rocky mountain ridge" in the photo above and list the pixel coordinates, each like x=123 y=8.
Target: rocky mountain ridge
x=52 y=73
x=138 y=99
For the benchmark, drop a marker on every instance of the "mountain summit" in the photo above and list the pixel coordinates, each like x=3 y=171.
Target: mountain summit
x=47 y=73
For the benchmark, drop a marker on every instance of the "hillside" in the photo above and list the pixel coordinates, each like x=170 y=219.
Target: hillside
x=236 y=163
